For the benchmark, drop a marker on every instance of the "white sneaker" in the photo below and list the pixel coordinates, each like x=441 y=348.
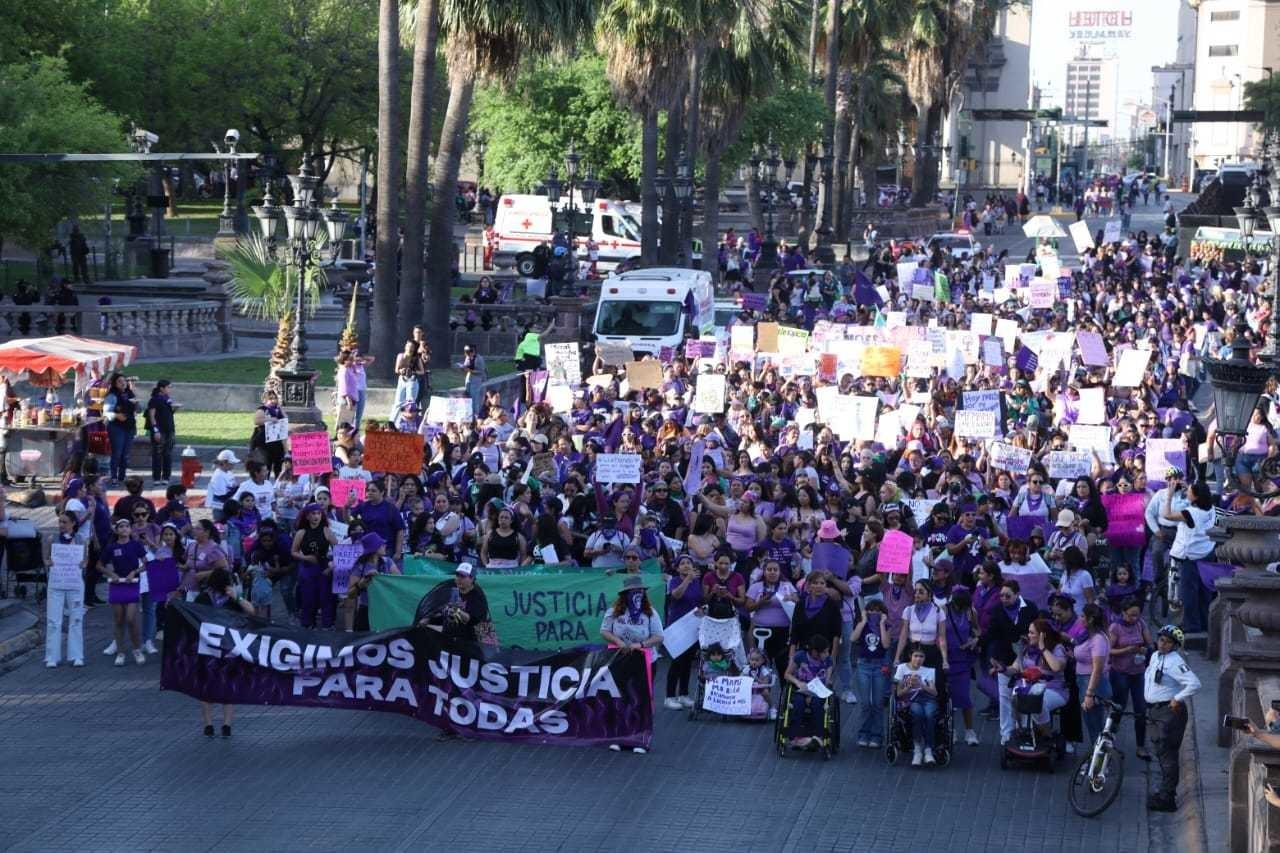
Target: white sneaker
x=672 y=704
x=150 y=648
x=773 y=713
x=77 y=662
x=849 y=698
x=138 y=657
x=639 y=750
x=928 y=756
x=862 y=741
x=120 y=659
x=917 y=757
x=971 y=737
x=686 y=701
x=1071 y=748
x=111 y=649
x=50 y=665
x=615 y=747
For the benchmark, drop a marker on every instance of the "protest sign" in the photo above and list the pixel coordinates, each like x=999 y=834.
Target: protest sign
x=618 y=467
x=972 y=423
x=818 y=688
x=920 y=508
x=1012 y=276
x=162 y=578
x=450 y=410
x=828 y=364
x=792 y=341
x=920 y=360
x=988 y=400
x=344 y=560
x=393 y=452
x=64 y=568
x=699 y=349
x=1092 y=406
x=754 y=301
x=1042 y=293
x=766 y=337
x=1095 y=439
x=341 y=489
x=1163 y=454
x=906 y=273
x=1093 y=352
x=993 y=352
x=573 y=698
x=709 y=394
x=881 y=360
x=854 y=418
x=310 y=451
x=1125 y=522
x=1007 y=331
x=277 y=430
x=981 y=323
x=613 y=353
x=1111 y=231
x=1015 y=460
x=1131 y=368
x=1081 y=236
x=894 y=557
x=563 y=363
x=533 y=607
x=644 y=374
x=559 y=398
x=729 y=695
x=742 y=338
x=680 y=635
x=1069 y=463
x=923 y=292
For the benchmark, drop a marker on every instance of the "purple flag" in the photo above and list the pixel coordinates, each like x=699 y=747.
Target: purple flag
x=1211 y=572
x=864 y=292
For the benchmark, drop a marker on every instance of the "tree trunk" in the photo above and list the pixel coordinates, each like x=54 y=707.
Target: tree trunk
x=442 y=252
x=648 y=195
x=669 y=248
x=814 y=18
x=754 y=206
x=711 y=214
x=870 y=163
x=416 y=178
x=844 y=112
x=384 y=341
x=822 y=223
x=693 y=117
x=924 y=183
x=850 y=193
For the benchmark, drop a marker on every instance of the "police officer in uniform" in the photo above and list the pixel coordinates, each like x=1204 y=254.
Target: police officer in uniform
x=1168 y=684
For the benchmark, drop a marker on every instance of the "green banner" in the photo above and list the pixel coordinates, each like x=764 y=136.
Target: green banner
x=534 y=607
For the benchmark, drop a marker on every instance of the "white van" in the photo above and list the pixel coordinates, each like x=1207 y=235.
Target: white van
x=524 y=221
x=649 y=309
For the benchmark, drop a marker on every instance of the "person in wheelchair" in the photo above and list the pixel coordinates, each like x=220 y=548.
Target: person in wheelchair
x=1045 y=655
x=812 y=662
x=916 y=687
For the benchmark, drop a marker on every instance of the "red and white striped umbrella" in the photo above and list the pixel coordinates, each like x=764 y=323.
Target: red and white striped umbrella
x=51 y=358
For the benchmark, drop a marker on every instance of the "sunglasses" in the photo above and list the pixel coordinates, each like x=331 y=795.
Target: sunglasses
x=631 y=557
x=1037 y=482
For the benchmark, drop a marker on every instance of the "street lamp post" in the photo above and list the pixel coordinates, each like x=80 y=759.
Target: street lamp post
x=227 y=216
x=586 y=187
x=682 y=186
x=481 y=147
x=302 y=224
x=767 y=169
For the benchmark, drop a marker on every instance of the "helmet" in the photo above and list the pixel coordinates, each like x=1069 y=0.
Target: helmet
x=560 y=251
x=1174 y=473
x=1173 y=632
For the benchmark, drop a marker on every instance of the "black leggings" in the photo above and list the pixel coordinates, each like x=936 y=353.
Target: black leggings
x=679 y=672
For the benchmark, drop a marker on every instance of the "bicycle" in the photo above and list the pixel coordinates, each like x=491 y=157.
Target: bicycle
x=1101 y=772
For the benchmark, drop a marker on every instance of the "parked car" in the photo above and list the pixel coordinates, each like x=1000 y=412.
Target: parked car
x=958 y=244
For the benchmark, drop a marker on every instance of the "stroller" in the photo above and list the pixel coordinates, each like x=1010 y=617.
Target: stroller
x=899 y=741
x=1027 y=745
x=828 y=741
x=727 y=634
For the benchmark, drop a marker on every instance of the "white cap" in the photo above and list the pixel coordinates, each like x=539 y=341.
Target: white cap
x=465 y=569
x=228 y=456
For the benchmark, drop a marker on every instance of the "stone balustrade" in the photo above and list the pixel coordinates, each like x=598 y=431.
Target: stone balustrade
x=156 y=328
x=505 y=322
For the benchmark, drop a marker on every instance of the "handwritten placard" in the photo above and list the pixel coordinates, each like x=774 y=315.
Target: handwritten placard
x=792 y=341
x=311 y=454
x=729 y=695
x=341 y=490
x=563 y=363
x=1081 y=236
x=971 y=423
x=894 y=557
x=613 y=353
x=1015 y=460
x=393 y=452
x=618 y=467
x=1042 y=293
x=881 y=360
x=65 y=571
x=449 y=410
x=1163 y=454
x=277 y=430
x=344 y=560
x=709 y=393
x=1111 y=231
x=1092 y=406
x=1093 y=352
x=680 y=635
x=1131 y=368
x=993 y=352
x=1069 y=464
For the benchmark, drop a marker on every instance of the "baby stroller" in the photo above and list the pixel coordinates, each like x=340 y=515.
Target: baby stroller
x=1027 y=744
x=827 y=741
x=899 y=740
x=727 y=634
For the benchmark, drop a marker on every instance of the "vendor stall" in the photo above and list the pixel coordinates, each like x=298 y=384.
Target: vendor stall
x=38 y=436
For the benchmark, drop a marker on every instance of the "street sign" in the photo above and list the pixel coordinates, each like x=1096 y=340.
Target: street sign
x=1147 y=118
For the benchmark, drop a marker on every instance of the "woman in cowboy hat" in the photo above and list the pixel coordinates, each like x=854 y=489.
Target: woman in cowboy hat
x=632 y=625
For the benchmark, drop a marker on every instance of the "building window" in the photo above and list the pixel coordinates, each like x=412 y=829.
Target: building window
x=1224 y=49
x=1230 y=15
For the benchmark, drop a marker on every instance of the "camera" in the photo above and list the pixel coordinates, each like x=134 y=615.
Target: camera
x=232 y=137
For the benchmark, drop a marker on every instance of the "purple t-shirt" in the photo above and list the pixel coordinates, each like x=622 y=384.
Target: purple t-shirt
x=678 y=607
x=770 y=614
x=969 y=558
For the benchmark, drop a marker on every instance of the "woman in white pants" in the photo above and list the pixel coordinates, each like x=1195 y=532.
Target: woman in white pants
x=66 y=597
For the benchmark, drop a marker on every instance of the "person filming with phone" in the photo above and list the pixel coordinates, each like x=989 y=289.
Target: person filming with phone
x=1167 y=685
x=1269 y=734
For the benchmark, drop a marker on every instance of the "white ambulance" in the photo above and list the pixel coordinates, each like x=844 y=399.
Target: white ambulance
x=648 y=309
x=523 y=222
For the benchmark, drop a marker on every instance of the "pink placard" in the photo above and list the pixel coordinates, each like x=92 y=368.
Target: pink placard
x=1125 y=522
x=311 y=453
x=340 y=489
x=895 y=553
x=1093 y=351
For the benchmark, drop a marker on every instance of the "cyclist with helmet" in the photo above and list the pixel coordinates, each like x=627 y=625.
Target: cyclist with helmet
x=1168 y=683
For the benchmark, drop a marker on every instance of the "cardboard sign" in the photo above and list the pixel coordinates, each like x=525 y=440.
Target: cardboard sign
x=1007 y=331
x=311 y=454
x=981 y=323
x=563 y=363
x=854 y=418
x=906 y=273
x=766 y=337
x=881 y=360
x=452 y=410
x=921 y=508
x=613 y=353
x=729 y=695
x=1131 y=368
x=340 y=489
x=973 y=423
x=344 y=560
x=393 y=452
x=1095 y=439
x=1069 y=464
x=923 y=292
x=560 y=398
x=1111 y=231
x=1093 y=352
x=1092 y=406
x=1015 y=460
x=709 y=393
x=894 y=557
x=65 y=571
x=277 y=430
x=986 y=401
x=1081 y=236
x=618 y=467
x=1042 y=293
x=742 y=339
x=644 y=374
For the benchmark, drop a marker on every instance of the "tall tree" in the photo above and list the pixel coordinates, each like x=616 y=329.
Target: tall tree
x=826 y=201
x=426 y=28
x=383 y=336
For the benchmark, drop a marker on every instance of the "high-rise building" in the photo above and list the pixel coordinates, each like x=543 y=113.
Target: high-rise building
x=1171 y=90
x=1237 y=41
x=1093 y=92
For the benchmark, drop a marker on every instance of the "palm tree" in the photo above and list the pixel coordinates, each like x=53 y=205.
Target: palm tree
x=383 y=334
x=880 y=111
x=487 y=38
x=425 y=24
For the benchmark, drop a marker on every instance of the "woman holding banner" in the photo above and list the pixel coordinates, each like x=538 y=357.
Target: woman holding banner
x=632 y=625
x=221 y=593
x=311 y=545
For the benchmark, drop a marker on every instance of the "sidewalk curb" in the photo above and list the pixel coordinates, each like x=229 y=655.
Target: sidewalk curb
x=1193 y=834
x=14 y=651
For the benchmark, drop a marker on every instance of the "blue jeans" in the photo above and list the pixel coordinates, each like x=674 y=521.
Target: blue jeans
x=148 y=608
x=1125 y=687
x=121 y=439
x=1096 y=718
x=1195 y=597
x=359 y=410
x=924 y=719
x=872 y=687
x=844 y=666
x=288 y=586
x=406 y=391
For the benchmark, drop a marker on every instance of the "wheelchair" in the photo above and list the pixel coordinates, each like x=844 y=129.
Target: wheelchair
x=827 y=741
x=898 y=738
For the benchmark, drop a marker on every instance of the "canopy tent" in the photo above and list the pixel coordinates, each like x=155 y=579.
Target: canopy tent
x=46 y=361
x=1043 y=226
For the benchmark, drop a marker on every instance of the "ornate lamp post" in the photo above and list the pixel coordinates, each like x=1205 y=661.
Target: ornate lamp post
x=768 y=178
x=481 y=147
x=302 y=223
x=227 y=216
x=682 y=186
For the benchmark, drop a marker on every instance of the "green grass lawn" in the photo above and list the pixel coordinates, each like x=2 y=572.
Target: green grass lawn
x=253 y=370
x=219 y=428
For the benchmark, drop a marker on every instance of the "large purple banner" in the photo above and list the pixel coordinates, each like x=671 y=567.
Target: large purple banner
x=575 y=698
